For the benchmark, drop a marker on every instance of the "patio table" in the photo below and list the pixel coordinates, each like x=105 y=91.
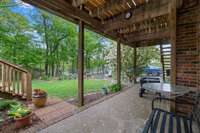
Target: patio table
x=166 y=90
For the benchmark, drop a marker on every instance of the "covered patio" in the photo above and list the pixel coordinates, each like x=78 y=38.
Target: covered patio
x=136 y=23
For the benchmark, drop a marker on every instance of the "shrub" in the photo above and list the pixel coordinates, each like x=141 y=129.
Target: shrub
x=5 y=104
x=115 y=87
x=47 y=78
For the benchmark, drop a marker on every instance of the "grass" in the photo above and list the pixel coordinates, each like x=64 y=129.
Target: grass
x=68 y=88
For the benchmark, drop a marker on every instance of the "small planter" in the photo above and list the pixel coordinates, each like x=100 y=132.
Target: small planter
x=24 y=121
x=39 y=98
x=104 y=91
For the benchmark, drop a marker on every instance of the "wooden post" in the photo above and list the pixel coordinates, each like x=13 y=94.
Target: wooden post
x=3 y=76
x=172 y=26
x=24 y=83
x=13 y=81
x=118 y=62
x=29 y=86
x=162 y=61
x=81 y=64
x=198 y=46
x=135 y=64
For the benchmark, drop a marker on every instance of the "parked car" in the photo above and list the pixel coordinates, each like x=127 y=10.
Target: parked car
x=152 y=70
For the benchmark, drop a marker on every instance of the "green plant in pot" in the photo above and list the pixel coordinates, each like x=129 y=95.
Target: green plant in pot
x=39 y=97
x=21 y=115
x=104 y=91
x=115 y=87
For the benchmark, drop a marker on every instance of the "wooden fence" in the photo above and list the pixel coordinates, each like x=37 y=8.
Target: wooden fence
x=15 y=80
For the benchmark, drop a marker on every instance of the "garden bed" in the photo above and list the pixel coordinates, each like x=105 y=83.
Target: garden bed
x=94 y=96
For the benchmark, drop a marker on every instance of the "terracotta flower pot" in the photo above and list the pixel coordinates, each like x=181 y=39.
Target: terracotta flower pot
x=39 y=100
x=24 y=121
x=39 y=97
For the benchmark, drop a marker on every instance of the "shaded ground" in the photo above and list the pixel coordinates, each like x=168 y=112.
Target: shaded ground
x=125 y=112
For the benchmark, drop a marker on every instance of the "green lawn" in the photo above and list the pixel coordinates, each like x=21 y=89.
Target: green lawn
x=68 y=88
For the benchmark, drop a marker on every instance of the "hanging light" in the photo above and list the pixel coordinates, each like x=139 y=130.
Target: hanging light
x=10 y=3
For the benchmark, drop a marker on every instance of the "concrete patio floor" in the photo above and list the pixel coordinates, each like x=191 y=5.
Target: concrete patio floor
x=124 y=113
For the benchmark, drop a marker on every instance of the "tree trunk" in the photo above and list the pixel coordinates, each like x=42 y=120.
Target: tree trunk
x=47 y=46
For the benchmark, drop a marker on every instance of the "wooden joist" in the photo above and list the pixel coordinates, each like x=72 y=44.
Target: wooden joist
x=112 y=7
x=146 y=43
x=139 y=15
x=77 y=3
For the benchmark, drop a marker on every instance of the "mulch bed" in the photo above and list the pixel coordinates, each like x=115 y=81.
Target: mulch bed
x=91 y=97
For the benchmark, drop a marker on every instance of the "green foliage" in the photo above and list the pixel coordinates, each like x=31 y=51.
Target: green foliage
x=15 y=39
x=18 y=111
x=115 y=87
x=5 y=104
x=44 y=77
x=145 y=57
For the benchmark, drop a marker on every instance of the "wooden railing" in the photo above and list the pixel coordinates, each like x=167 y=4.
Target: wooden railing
x=15 y=80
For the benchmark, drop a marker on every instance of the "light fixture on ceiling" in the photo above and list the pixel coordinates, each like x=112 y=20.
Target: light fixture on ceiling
x=128 y=15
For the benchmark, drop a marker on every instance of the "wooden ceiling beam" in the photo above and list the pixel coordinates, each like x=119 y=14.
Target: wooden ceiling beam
x=77 y=3
x=149 y=11
x=149 y=43
x=146 y=37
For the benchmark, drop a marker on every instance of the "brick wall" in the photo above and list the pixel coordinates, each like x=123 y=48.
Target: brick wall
x=187 y=44
x=187 y=47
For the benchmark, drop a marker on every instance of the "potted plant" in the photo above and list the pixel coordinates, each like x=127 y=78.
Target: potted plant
x=115 y=88
x=21 y=115
x=39 y=97
x=104 y=91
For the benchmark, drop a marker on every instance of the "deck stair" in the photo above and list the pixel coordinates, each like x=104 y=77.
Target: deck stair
x=165 y=52
x=15 y=80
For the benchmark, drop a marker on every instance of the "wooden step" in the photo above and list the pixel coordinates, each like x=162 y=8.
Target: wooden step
x=165 y=51
x=167 y=58
x=1 y=86
x=166 y=54
x=166 y=47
